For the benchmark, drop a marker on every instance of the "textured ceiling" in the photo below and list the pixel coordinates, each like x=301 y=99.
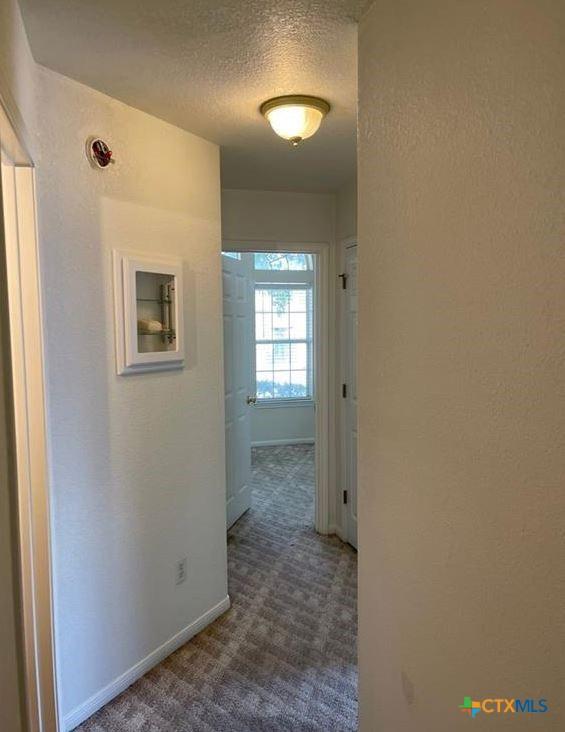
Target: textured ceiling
x=206 y=65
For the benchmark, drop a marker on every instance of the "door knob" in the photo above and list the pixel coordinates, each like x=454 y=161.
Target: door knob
x=251 y=400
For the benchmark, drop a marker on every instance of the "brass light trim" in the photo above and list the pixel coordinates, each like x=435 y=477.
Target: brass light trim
x=295 y=100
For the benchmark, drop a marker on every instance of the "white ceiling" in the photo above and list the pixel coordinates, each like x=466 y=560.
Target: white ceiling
x=206 y=65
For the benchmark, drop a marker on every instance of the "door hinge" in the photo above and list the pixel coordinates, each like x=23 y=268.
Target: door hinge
x=345 y=496
x=344 y=391
x=343 y=276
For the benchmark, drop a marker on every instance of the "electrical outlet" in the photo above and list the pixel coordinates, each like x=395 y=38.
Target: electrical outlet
x=180 y=574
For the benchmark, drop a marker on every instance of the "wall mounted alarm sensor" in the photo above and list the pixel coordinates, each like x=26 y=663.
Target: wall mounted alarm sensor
x=98 y=153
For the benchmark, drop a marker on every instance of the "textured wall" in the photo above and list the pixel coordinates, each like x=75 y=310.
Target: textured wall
x=16 y=91
x=17 y=70
x=462 y=361
x=346 y=212
x=277 y=217
x=277 y=424
x=137 y=462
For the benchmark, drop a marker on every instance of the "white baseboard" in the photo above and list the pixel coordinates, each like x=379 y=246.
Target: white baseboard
x=102 y=697
x=295 y=441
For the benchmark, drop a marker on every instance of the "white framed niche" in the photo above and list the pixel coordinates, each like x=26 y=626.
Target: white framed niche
x=148 y=312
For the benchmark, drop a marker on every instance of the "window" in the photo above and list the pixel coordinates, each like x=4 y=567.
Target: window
x=281 y=261
x=232 y=255
x=283 y=341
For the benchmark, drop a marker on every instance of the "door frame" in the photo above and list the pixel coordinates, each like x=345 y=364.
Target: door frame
x=22 y=307
x=344 y=244
x=324 y=402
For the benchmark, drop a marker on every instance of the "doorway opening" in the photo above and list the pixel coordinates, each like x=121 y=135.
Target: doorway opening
x=293 y=591
x=275 y=322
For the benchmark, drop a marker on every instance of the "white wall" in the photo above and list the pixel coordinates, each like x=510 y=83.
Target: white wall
x=346 y=212
x=462 y=365
x=16 y=83
x=279 y=425
x=277 y=217
x=137 y=463
x=269 y=216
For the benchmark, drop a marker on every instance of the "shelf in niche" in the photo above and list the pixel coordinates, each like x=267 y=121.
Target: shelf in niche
x=148 y=289
x=153 y=299
x=156 y=332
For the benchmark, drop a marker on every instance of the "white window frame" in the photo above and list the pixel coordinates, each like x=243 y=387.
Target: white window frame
x=308 y=272
x=287 y=279
x=309 y=341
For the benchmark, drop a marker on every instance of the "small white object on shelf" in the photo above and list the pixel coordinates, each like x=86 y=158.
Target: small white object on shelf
x=145 y=325
x=148 y=312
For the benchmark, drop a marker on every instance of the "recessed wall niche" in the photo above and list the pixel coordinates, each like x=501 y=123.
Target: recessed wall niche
x=155 y=300
x=149 y=313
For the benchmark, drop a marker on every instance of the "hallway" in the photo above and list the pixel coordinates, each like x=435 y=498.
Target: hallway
x=284 y=656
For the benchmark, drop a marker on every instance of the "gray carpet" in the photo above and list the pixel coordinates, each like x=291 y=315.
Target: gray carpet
x=284 y=656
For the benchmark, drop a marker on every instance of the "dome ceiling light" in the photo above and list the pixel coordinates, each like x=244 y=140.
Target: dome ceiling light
x=295 y=117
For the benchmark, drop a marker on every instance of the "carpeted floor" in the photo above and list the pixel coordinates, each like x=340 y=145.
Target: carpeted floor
x=284 y=656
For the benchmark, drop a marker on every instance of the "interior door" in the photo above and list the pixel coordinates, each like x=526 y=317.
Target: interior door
x=351 y=299
x=238 y=328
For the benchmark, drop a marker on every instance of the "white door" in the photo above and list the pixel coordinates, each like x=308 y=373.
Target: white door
x=238 y=313
x=351 y=393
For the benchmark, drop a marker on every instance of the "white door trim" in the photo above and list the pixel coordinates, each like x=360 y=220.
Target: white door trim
x=344 y=245
x=323 y=352
x=29 y=431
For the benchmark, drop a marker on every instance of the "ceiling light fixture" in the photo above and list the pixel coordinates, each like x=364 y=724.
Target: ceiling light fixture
x=295 y=117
